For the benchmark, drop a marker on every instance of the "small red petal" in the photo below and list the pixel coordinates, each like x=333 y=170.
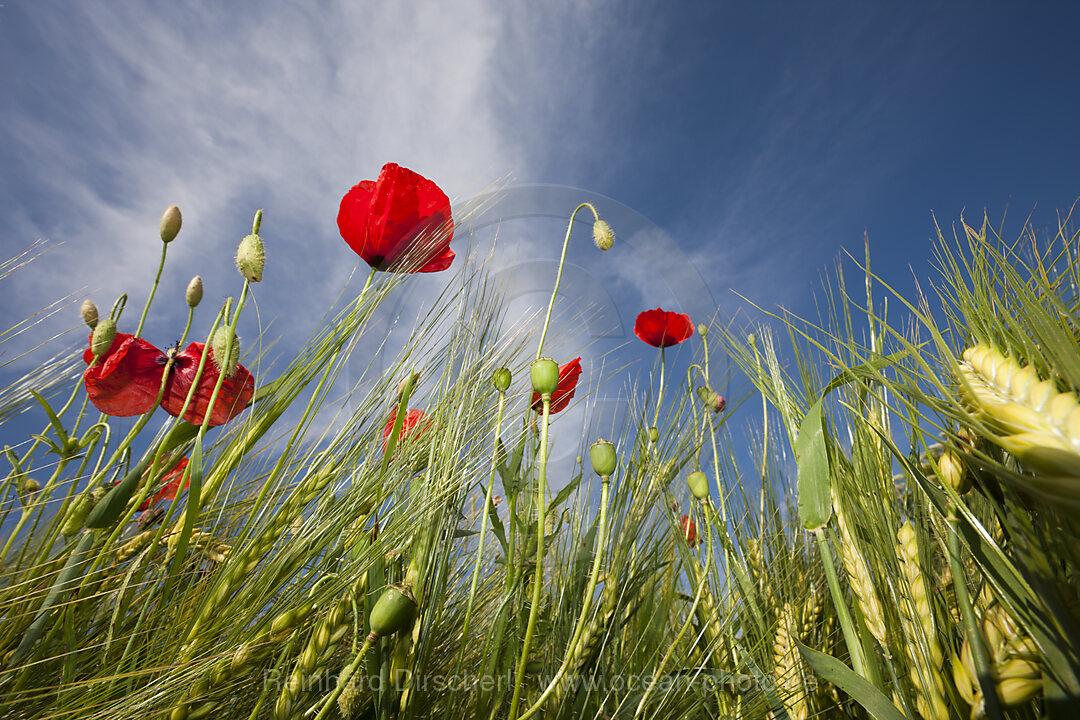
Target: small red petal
x=235 y=394
x=415 y=422
x=689 y=530
x=127 y=379
x=172 y=485
x=663 y=328
x=564 y=392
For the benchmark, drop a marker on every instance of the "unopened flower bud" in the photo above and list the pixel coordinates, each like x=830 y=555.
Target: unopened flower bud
x=401 y=385
x=89 y=313
x=225 y=358
x=654 y=435
x=170 y=223
x=702 y=330
x=394 y=610
x=103 y=336
x=76 y=514
x=250 y=258
x=603 y=235
x=194 y=292
x=699 y=484
x=544 y=374
x=502 y=379
x=603 y=458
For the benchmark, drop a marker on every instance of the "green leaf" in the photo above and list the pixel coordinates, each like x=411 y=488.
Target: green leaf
x=563 y=494
x=497 y=526
x=876 y=703
x=815 y=503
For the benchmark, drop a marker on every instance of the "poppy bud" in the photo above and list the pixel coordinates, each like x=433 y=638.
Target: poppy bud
x=170 y=223
x=603 y=458
x=250 y=258
x=544 y=374
x=654 y=435
x=401 y=385
x=702 y=330
x=699 y=484
x=102 y=338
x=394 y=610
x=603 y=235
x=502 y=379
x=89 y=313
x=194 y=292
x=226 y=362
x=76 y=514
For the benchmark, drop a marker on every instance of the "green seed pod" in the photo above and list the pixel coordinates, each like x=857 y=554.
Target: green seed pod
x=170 y=223
x=654 y=435
x=226 y=362
x=544 y=374
x=699 y=484
x=89 y=313
x=394 y=610
x=250 y=258
x=502 y=378
x=603 y=235
x=194 y=292
x=103 y=337
x=603 y=458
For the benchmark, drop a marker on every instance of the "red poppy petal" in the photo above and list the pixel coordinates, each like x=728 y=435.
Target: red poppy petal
x=663 y=328
x=564 y=391
x=235 y=393
x=171 y=486
x=415 y=422
x=127 y=380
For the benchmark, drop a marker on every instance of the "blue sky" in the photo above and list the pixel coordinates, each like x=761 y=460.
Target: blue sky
x=760 y=139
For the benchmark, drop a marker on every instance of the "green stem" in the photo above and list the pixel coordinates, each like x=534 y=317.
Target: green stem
x=153 y=289
x=345 y=677
x=660 y=392
x=538 y=581
x=558 y=276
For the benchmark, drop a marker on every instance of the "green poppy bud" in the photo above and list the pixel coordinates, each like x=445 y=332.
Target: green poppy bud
x=89 y=313
x=225 y=358
x=711 y=400
x=502 y=379
x=103 y=336
x=76 y=514
x=699 y=484
x=194 y=292
x=654 y=435
x=544 y=374
x=412 y=390
x=702 y=330
x=30 y=485
x=603 y=458
x=394 y=610
x=170 y=223
x=603 y=235
x=250 y=258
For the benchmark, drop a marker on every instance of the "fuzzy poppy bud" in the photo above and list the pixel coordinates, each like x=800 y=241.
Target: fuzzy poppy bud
x=654 y=435
x=502 y=378
x=603 y=458
x=89 y=313
x=102 y=338
x=544 y=374
x=194 y=292
x=250 y=258
x=224 y=357
x=603 y=235
x=699 y=484
x=394 y=610
x=170 y=223
x=702 y=330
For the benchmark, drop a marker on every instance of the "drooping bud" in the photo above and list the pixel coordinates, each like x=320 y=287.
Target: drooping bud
x=603 y=235
x=170 y=223
x=699 y=484
x=502 y=378
x=702 y=330
x=224 y=357
x=89 y=313
x=401 y=385
x=603 y=458
x=544 y=374
x=194 y=292
x=654 y=435
x=394 y=610
x=250 y=258
x=710 y=399
x=102 y=337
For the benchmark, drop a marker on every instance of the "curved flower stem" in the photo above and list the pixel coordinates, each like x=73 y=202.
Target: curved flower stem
x=686 y=625
x=558 y=277
x=483 y=528
x=660 y=393
x=153 y=289
x=538 y=581
x=579 y=629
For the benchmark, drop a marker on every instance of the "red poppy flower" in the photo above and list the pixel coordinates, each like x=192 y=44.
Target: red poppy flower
x=172 y=485
x=689 y=530
x=415 y=422
x=235 y=393
x=662 y=328
x=400 y=218
x=127 y=379
x=564 y=393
